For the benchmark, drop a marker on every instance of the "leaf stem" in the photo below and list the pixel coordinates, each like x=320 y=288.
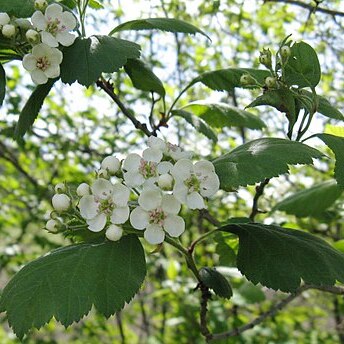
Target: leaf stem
x=200 y=239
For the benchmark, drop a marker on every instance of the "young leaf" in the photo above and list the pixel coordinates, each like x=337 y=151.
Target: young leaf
x=197 y=123
x=312 y=201
x=336 y=144
x=279 y=258
x=95 y=4
x=220 y=115
x=87 y=58
x=228 y=79
x=2 y=84
x=66 y=283
x=18 y=8
x=32 y=107
x=302 y=68
x=163 y=24
x=216 y=281
x=263 y=158
x=143 y=77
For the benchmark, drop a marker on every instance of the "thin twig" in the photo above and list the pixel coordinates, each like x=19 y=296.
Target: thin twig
x=205 y=296
x=259 y=192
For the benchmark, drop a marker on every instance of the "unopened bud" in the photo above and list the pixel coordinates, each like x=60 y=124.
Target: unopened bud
x=41 y=5
x=165 y=181
x=270 y=82
x=114 y=232
x=8 y=30
x=52 y=225
x=285 y=52
x=83 y=189
x=265 y=58
x=102 y=173
x=4 y=19
x=60 y=188
x=23 y=23
x=111 y=164
x=247 y=79
x=33 y=36
x=60 y=202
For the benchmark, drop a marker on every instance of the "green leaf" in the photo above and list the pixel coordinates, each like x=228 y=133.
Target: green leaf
x=197 y=123
x=302 y=68
x=95 y=4
x=66 y=283
x=263 y=158
x=163 y=24
x=312 y=201
x=2 y=84
x=325 y=107
x=336 y=144
x=18 y=8
x=228 y=79
x=220 y=115
x=87 y=58
x=251 y=293
x=279 y=258
x=32 y=108
x=216 y=281
x=225 y=250
x=143 y=77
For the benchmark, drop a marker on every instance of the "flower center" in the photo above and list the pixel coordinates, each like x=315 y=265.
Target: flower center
x=42 y=63
x=106 y=206
x=53 y=26
x=193 y=183
x=157 y=216
x=148 y=168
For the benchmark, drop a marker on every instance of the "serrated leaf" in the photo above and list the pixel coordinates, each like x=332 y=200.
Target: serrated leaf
x=2 y=84
x=216 y=281
x=311 y=201
x=302 y=68
x=220 y=115
x=66 y=283
x=251 y=293
x=197 y=123
x=336 y=144
x=143 y=77
x=163 y=24
x=279 y=258
x=325 y=107
x=226 y=253
x=18 y=8
x=263 y=158
x=87 y=58
x=32 y=107
x=228 y=79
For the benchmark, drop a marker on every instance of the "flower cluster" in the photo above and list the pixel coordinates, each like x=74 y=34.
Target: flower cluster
x=48 y=29
x=143 y=192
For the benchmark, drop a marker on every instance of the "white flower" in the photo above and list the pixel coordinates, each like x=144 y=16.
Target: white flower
x=60 y=202
x=107 y=201
x=114 y=233
x=43 y=63
x=32 y=36
x=157 y=214
x=4 y=19
x=194 y=181
x=54 y=25
x=176 y=153
x=83 y=189
x=111 y=164
x=155 y=142
x=8 y=30
x=165 y=181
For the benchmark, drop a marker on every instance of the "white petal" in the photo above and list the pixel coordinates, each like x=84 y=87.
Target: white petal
x=164 y=167
x=120 y=215
x=40 y=50
x=49 y=39
x=174 y=225
x=114 y=233
x=150 y=199
x=165 y=181
x=155 y=142
x=65 y=38
x=55 y=56
x=210 y=185
x=38 y=20
x=180 y=191
x=139 y=218
x=111 y=163
x=68 y=20
x=204 y=167
x=170 y=204
x=152 y=154
x=53 y=71
x=29 y=62
x=154 y=234
x=83 y=189
x=53 y=11
x=102 y=188
x=120 y=195
x=88 y=207
x=133 y=179
x=195 y=201
x=179 y=154
x=131 y=163
x=182 y=169
x=97 y=223
x=38 y=77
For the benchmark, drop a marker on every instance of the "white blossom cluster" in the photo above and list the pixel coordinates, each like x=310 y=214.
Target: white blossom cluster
x=146 y=191
x=48 y=29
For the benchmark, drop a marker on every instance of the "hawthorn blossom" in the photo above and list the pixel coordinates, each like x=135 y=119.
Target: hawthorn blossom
x=111 y=164
x=194 y=181
x=4 y=19
x=43 y=63
x=114 y=232
x=60 y=202
x=8 y=30
x=157 y=214
x=106 y=201
x=54 y=26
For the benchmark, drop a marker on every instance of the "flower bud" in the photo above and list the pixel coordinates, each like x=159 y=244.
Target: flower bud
x=60 y=202
x=33 y=36
x=23 y=23
x=265 y=58
x=114 y=233
x=60 y=188
x=111 y=164
x=52 y=225
x=41 y=5
x=285 y=53
x=102 y=173
x=270 y=82
x=165 y=181
x=4 y=19
x=8 y=30
x=83 y=189
x=247 y=79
